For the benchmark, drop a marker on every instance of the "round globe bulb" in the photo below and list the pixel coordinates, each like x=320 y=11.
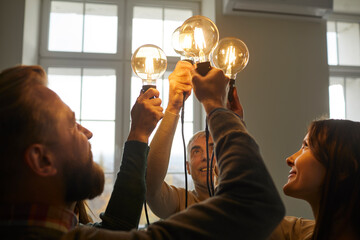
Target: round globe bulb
x=198 y=36
x=175 y=42
x=231 y=55
x=149 y=63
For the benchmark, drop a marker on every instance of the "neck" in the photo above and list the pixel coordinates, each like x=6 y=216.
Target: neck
x=315 y=205
x=202 y=192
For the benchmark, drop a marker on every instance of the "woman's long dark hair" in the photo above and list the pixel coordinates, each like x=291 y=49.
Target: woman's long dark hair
x=336 y=144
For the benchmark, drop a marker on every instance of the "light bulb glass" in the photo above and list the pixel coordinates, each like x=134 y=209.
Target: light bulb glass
x=231 y=55
x=198 y=36
x=149 y=63
x=175 y=42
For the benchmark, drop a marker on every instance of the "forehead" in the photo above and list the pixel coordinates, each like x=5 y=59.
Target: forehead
x=201 y=141
x=54 y=103
x=306 y=138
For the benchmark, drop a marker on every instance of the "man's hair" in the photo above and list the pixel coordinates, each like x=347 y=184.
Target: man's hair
x=22 y=120
x=336 y=144
x=194 y=138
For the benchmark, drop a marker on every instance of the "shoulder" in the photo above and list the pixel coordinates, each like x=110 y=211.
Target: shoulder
x=293 y=228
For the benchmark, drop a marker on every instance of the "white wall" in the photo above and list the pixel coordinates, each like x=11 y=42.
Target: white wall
x=11 y=32
x=19 y=32
x=283 y=88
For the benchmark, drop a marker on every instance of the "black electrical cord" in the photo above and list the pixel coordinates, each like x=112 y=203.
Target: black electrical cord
x=207 y=159
x=146 y=214
x=211 y=174
x=184 y=146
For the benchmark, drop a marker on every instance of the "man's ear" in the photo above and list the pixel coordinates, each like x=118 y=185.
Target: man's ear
x=188 y=167
x=40 y=160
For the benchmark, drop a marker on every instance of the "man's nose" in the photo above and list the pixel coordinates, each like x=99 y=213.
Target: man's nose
x=86 y=131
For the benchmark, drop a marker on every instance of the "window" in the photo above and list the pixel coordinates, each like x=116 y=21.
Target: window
x=86 y=47
x=343 y=40
x=78 y=27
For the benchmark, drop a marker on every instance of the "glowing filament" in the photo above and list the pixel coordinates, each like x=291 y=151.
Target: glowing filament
x=199 y=39
x=230 y=58
x=149 y=67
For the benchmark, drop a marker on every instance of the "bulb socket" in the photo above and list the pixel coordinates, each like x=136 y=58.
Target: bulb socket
x=203 y=68
x=146 y=87
x=231 y=89
x=188 y=60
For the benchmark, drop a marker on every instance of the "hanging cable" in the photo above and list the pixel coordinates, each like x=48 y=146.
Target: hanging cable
x=146 y=214
x=211 y=174
x=184 y=146
x=207 y=159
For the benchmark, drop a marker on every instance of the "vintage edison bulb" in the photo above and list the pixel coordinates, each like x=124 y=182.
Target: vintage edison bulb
x=231 y=55
x=149 y=63
x=175 y=42
x=198 y=36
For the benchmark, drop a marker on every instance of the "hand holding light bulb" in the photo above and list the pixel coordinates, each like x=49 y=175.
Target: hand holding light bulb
x=145 y=114
x=211 y=90
x=149 y=63
x=179 y=86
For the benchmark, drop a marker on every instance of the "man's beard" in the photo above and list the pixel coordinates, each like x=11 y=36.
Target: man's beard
x=83 y=181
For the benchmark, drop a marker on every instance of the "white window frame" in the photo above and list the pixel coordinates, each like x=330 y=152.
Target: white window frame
x=341 y=70
x=44 y=52
x=121 y=61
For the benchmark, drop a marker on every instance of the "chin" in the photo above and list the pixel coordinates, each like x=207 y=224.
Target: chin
x=287 y=190
x=84 y=182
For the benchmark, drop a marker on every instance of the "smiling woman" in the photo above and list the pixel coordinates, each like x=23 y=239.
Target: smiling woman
x=306 y=176
x=325 y=173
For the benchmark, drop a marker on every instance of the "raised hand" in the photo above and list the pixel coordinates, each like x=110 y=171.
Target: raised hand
x=212 y=89
x=179 y=84
x=145 y=114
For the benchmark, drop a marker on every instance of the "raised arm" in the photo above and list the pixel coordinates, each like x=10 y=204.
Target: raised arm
x=246 y=204
x=160 y=196
x=125 y=204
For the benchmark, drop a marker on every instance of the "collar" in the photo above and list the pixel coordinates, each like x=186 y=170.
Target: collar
x=39 y=215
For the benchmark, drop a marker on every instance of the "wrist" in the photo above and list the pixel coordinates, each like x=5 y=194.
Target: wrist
x=211 y=105
x=138 y=136
x=173 y=109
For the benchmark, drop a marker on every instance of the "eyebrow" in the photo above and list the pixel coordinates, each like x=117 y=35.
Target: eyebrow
x=195 y=147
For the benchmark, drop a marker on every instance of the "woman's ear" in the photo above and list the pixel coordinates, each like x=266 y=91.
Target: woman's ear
x=40 y=160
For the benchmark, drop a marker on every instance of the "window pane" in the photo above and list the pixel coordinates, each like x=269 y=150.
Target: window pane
x=102 y=142
x=353 y=99
x=98 y=94
x=100 y=31
x=172 y=20
x=337 y=100
x=177 y=151
x=349 y=43
x=147 y=27
x=332 y=44
x=98 y=205
x=65 y=28
x=66 y=82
